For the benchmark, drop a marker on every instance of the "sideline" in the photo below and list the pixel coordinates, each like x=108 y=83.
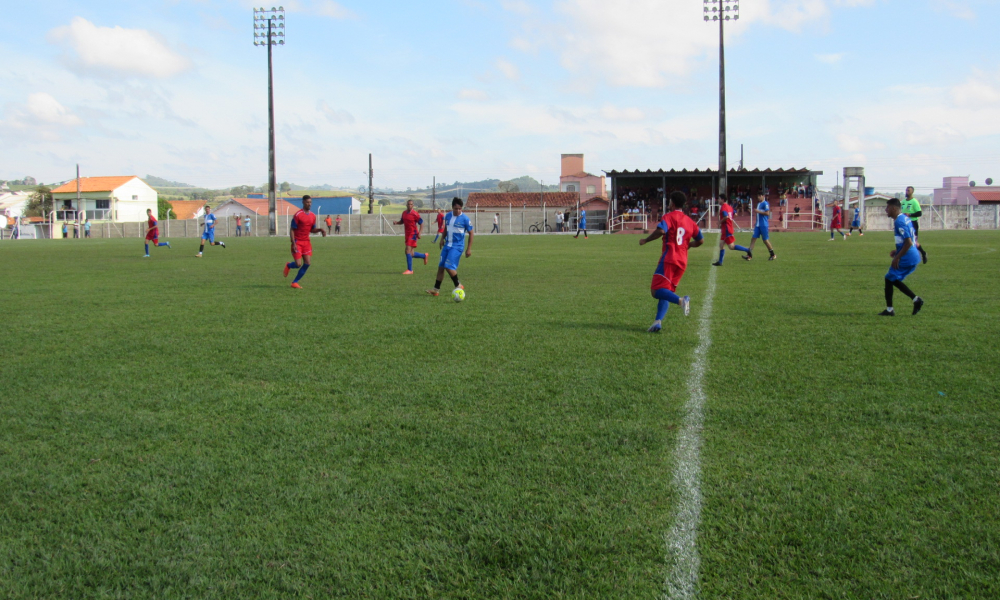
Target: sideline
x=683 y=560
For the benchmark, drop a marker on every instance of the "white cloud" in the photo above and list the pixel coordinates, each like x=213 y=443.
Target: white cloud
x=959 y=9
x=519 y=7
x=42 y=116
x=976 y=93
x=124 y=51
x=48 y=110
x=855 y=144
x=830 y=59
x=470 y=94
x=333 y=115
x=509 y=70
x=613 y=113
x=329 y=8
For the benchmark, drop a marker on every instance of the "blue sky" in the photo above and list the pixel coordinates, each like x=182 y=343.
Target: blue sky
x=470 y=89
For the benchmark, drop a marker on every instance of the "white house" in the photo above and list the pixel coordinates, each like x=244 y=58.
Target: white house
x=119 y=199
x=12 y=204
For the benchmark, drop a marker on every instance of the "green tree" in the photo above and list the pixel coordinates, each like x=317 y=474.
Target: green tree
x=417 y=202
x=162 y=206
x=384 y=202
x=39 y=202
x=508 y=186
x=285 y=187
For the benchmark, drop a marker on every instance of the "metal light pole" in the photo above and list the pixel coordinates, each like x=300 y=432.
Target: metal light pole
x=722 y=11
x=269 y=30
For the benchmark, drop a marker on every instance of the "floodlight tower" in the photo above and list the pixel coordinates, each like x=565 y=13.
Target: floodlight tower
x=269 y=30
x=722 y=11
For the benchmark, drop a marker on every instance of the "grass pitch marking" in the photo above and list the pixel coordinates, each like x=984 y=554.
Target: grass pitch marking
x=682 y=540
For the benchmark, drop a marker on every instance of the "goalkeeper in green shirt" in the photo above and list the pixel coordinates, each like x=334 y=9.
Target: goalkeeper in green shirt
x=911 y=208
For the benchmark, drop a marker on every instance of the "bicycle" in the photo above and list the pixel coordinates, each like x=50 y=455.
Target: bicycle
x=537 y=228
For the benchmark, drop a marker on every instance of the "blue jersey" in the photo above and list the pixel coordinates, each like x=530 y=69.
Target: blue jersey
x=763 y=221
x=455 y=230
x=857 y=215
x=209 y=223
x=902 y=228
x=583 y=219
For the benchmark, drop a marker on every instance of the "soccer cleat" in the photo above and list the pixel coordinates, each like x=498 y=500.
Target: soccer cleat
x=460 y=287
x=434 y=292
x=407 y=272
x=425 y=258
x=198 y=255
x=772 y=257
x=860 y=234
x=923 y=256
x=223 y=244
x=655 y=327
x=747 y=257
x=686 y=305
x=918 y=303
x=146 y=256
x=831 y=239
x=716 y=264
x=287 y=269
x=296 y=286
x=847 y=235
x=168 y=246
x=887 y=313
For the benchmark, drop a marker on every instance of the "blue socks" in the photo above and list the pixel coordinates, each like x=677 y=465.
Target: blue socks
x=666 y=298
x=147 y=248
x=302 y=272
x=742 y=249
x=292 y=265
x=409 y=262
x=419 y=255
x=436 y=237
x=162 y=244
x=722 y=255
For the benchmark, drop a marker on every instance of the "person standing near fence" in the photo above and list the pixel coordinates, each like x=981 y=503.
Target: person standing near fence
x=911 y=208
x=559 y=220
x=581 y=225
x=239 y=225
x=496 y=223
x=411 y=222
x=86 y=228
x=337 y=228
x=329 y=224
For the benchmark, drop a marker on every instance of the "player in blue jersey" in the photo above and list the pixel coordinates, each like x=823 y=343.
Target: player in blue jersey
x=452 y=243
x=581 y=225
x=905 y=258
x=856 y=223
x=209 y=234
x=762 y=229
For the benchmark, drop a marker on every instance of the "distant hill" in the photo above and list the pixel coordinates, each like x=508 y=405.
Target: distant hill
x=155 y=181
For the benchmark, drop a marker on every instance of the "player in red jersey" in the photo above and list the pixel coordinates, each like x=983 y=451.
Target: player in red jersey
x=679 y=233
x=303 y=224
x=411 y=222
x=837 y=221
x=728 y=237
x=153 y=232
x=440 y=222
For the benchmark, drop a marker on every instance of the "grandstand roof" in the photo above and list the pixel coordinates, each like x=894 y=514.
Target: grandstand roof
x=533 y=199
x=712 y=172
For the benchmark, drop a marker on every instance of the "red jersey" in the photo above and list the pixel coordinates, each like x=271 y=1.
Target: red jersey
x=678 y=229
x=152 y=222
x=440 y=222
x=836 y=217
x=329 y=221
x=726 y=216
x=411 y=223
x=302 y=224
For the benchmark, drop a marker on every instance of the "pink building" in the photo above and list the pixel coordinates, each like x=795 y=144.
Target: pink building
x=957 y=191
x=575 y=179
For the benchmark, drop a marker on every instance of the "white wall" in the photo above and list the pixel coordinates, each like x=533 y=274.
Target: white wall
x=132 y=199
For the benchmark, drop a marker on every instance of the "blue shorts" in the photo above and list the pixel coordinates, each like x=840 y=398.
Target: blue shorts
x=209 y=235
x=856 y=224
x=901 y=273
x=761 y=232
x=450 y=258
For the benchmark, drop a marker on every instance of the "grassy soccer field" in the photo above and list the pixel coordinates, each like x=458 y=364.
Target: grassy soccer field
x=177 y=427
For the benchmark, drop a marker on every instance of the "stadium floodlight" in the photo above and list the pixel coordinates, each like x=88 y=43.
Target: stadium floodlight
x=269 y=30
x=722 y=11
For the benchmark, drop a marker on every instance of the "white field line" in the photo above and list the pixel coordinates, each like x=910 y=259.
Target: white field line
x=683 y=561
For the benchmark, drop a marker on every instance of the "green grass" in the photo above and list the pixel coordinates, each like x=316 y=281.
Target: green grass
x=191 y=428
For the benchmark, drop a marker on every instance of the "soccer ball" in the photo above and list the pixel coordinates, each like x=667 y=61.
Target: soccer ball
x=458 y=295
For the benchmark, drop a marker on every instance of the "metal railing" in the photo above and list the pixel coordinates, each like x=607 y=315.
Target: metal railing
x=618 y=223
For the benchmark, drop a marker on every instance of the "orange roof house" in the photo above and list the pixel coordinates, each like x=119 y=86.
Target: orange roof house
x=186 y=209
x=123 y=198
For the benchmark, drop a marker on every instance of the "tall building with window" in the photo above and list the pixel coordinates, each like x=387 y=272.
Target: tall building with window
x=575 y=179
x=119 y=199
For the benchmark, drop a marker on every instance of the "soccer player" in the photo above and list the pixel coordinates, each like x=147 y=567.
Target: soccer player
x=836 y=223
x=303 y=224
x=209 y=234
x=911 y=208
x=440 y=224
x=581 y=225
x=679 y=233
x=452 y=243
x=153 y=233
x=856 y=222
x=905 y=258
x=727 y=239
x=411 y=222
x=762 y=228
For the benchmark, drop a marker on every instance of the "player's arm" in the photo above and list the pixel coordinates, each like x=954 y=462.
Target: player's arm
x=907 y=243
x=696 y=240
x=468 y=246
x=916 y=213
x=318 y=230
x=657 y=234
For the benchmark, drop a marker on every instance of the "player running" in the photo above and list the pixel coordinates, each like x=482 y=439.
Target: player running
x=679 y=233
x=762 y=229
x=440 y=224
x=153 y=233
x=836 y=223
x=452 y=243
x=581 y=225
x=911 y=208
x=856 y=223
x=411 y=222
x=303 y=224
x=209 y=234
x=905 y=258
x=727 y=239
